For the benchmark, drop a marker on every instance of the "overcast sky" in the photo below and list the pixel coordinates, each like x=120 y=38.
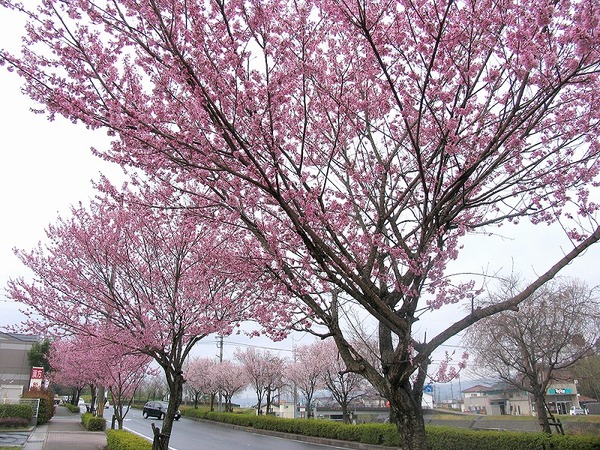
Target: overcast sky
x=47 y=166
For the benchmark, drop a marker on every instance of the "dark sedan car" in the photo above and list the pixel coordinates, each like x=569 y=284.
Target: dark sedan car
x=158 y=410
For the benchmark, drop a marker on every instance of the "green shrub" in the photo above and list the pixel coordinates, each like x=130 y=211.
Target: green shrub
x=571 y=442
x=124 y=440
x=16 y=411
x=378 y=434
x=196 y=413
x=446 y=438
x=72 y=408
x=46 y=409
x=13 y=422
x=93 y=423
x=368 y=434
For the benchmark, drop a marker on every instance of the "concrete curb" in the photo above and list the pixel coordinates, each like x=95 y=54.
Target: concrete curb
x=37 y=438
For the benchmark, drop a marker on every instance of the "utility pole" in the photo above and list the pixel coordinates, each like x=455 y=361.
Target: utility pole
x=220 y=355
x=295 y=387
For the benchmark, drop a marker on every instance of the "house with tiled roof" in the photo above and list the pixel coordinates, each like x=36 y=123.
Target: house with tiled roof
x=504 y=398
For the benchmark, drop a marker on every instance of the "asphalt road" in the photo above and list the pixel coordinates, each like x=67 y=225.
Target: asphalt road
x=193 y=435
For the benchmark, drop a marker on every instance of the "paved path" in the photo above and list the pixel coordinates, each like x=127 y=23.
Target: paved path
x=65 y=432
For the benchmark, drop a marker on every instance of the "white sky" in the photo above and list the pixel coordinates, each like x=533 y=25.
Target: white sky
x=47 y=166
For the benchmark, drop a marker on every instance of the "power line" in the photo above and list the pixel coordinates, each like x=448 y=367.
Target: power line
x=258 y=346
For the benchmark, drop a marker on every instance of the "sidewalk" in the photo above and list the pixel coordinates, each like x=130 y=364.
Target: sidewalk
x=65 y=432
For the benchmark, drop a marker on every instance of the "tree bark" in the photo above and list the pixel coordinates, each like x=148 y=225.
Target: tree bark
x=542 y=413
x=162 y=437
x=345 y=415
x=408 y=417
x=101 y=392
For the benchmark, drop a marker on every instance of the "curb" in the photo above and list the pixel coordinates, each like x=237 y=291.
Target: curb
x=37 y=438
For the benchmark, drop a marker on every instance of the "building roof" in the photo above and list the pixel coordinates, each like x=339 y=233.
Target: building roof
x=22 y=337
x=477 y=388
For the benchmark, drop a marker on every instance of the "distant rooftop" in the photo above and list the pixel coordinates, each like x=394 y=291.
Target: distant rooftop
x=477 y=388
x=22 y=337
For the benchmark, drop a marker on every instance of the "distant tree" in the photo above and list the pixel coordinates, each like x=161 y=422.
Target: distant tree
x=265 y=374
x=587 y=373
x=345 y=386
x=232 y=378
x=154 y=387
x=38 y=355
x=306 y=372
x=71 y=368
x=554 y=329
x=201 y=379
x=80 y=360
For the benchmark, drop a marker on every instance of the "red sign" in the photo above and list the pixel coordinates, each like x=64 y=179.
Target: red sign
x=37 y=377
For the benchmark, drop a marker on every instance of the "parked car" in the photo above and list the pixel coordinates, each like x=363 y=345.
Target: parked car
x=158 y=410
x=576 y=411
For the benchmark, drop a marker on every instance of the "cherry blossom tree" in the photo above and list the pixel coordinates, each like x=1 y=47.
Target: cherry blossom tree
x=153 y=280
x=81 y=360
x=306 y=372
x=360 y=142
x=200 y=376
x=344 y=386
x=123 y=375
x=231 y=380
x=69 y=369
x=264 y=370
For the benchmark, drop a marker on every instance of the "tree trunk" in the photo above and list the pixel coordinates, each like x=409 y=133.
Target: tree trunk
x=542 y=413
x=76 y=395
x=345 y=415
x=268 y=399
x=100 y=401
x=406 y=413
x=259 y=399
x=94 y=398
x=162 y=437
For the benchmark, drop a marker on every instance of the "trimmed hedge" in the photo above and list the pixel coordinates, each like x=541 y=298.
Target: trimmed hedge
x=124 y=440
x=572 y=442
x=72 y=408
x=46 y=409
x=13 y=422
x=21 y=411
x=93 y=423
x=438 y=438
x=458 y=439
x=380 y=434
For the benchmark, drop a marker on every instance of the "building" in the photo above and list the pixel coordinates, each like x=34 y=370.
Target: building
x=503 y=398
x=364 y=409
x=15 y=370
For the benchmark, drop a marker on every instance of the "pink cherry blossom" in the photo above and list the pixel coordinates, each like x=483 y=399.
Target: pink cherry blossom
x=358 y=142
x=150 y=281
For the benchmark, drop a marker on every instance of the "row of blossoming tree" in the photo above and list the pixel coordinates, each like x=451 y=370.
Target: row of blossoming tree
x=82 y=360
x=359 y=143
x=121 y=283
x=313 y=369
